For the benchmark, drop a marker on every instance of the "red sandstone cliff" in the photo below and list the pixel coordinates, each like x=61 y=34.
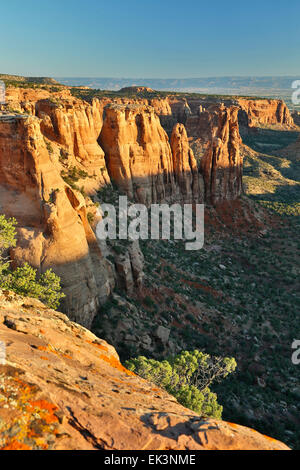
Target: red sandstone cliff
x=185 y=167
x=76 y=126
x=141 y=161
x=138 y=153
x=73 y=124
x=257 y=112
x=53 y=230
x=222 y=164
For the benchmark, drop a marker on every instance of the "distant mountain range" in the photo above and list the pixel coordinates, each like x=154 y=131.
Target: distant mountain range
x=184 y=84
x=266 y=87
x=270 y=87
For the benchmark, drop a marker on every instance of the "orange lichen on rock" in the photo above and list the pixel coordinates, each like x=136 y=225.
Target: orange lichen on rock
x=113 y=362
x=25 y=422
x=98 y=404
x=45 y=409
x=99 y=346
x=15 y=445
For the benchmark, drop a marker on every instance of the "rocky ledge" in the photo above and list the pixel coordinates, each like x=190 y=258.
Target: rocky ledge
x=61 y=387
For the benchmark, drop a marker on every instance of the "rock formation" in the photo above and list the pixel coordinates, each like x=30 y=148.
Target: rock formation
x=76 y=126
x=141 y=161
x=136 y=90
x=222 y=164
x=138 y=154
x=57 y=136
x=137 y=150
x=62 y=388
x=257 y=112
x=53 y=230
x=73 y=124
x=187 y=176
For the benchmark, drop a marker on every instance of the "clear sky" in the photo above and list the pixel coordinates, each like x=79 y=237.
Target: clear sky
x=150 y=38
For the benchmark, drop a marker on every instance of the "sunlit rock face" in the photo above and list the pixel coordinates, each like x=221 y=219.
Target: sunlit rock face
x=258 y=112
x=142 y=161
x=123 y=142
x=138 y=153
x=53 y=230
x=222 y=164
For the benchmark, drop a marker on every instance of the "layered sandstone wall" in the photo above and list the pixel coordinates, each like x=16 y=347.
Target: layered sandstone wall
x=53 y=230
x=138 y=154
x=73 y=124
x=185 y=167
x=264 y=112
x=76 y=125
x=222 y=164
x=142 y=162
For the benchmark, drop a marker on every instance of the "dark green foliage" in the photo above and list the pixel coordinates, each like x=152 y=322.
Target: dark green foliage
x=187 y=377
x=24 y=280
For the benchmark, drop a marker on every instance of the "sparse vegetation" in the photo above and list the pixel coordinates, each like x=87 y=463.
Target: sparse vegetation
x=249 y=310
x=24 y=280
x=72 y=175
x=187 y=376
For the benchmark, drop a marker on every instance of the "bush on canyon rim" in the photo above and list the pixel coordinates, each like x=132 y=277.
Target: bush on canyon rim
x=23 y=280
x=188 y=377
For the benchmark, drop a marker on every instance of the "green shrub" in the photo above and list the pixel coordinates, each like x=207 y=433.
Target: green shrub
x=7 y=240
x=23 y=280
x=149 y=302
x=49 y=147
x=187 y=377
x=90 y=218
x=63 y=155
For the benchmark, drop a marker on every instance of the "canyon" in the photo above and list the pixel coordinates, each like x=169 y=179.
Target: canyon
x=50 y=139
x=62 y=153
x=58 y=151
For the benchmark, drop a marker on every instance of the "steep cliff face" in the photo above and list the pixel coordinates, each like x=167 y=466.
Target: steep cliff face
x=141 y=160
x=212 y=131
x=138 y=154
x=53 y=230
x=73 y=124
x=187 y=176
x=137 y=148
x=175 y=111
x=65 y=389
x=257 y=112
x=222 y=163
x=76 y=126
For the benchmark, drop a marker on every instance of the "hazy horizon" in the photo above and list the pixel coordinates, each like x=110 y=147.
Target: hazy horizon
x=197 y=39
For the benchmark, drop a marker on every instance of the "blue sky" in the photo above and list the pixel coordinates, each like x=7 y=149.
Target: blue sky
x=153 y=39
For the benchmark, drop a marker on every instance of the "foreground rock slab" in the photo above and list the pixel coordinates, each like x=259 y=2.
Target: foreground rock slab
x=63 y=388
